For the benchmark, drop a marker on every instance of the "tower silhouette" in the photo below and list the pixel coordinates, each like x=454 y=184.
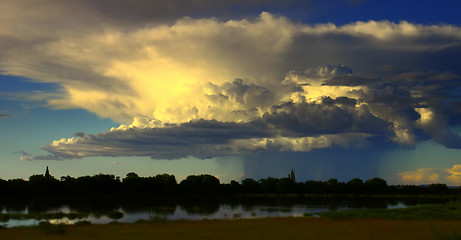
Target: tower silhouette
x=47 y=173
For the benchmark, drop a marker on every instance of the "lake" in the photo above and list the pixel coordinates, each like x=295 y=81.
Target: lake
x=105 y=209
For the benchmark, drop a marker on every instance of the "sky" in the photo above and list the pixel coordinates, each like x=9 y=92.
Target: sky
x=237 y=89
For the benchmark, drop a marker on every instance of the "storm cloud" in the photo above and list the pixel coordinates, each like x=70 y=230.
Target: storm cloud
x=181 y=85
x=311 y=114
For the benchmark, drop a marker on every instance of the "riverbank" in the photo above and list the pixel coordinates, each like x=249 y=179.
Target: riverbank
x=431 y=221
x=265 y=228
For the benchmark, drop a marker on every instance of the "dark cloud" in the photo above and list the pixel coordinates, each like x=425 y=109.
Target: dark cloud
x=435 y=123
x=342 y=101
x=349 y=80
x=3 y=115
x=202 y=138
x=402 y=87
x=209 y=138
x=79 y=134
x=142 y=13
x=307 y=119
x=163 y=10
x=366 y=53
x=249 y=95
x=403 y=108
x=23 y=153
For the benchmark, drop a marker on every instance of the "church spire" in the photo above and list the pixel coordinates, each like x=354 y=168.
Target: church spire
x=47 y=173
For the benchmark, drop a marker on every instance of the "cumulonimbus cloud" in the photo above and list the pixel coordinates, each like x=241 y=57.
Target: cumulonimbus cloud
x=312 y=115
x=251 y=84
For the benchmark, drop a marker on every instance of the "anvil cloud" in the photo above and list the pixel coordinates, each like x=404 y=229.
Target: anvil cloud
x=208 y=87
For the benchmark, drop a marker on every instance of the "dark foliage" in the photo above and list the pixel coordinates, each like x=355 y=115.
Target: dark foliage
x=49 y=228
x=165 y=184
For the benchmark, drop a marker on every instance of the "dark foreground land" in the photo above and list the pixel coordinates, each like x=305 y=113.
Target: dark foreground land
x=267 y=228
x=435 y=221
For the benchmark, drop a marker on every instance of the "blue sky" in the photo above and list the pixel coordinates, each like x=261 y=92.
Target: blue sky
x=332 y=89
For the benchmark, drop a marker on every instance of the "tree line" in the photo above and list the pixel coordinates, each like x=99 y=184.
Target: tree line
x=165 y=184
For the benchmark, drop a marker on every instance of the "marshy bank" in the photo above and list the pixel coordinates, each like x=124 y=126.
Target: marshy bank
x=427 y=221
x=129 y=209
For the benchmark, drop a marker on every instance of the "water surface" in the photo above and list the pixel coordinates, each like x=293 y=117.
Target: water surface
x=130 y=209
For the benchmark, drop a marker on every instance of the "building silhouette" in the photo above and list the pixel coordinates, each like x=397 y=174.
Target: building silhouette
x=47 y=173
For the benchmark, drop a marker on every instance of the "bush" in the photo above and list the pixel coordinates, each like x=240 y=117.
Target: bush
x=141 y=221
x=49 y=228
x=83 y=223
x=71 y=216
x=4 y=217
x=115 y=215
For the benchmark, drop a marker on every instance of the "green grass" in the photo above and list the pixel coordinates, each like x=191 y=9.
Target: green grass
x=264 y=228
x=448 y=236
x=5 y=217
x=449 y=211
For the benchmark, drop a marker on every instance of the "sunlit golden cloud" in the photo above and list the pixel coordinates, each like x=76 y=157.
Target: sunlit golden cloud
x=455 y=174
x=281 y=83
x=420 y=176
x=432 y=175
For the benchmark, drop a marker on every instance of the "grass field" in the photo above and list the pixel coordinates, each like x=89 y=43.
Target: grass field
x=448 y=211
x=267 y=228
x=437 y=221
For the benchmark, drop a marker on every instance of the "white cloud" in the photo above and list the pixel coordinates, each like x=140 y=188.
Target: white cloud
x=162 y=78
x=155 y=71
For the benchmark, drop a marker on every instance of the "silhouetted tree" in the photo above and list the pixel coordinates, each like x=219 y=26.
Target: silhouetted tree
x=203 y=184
x=18 y=187
x=250 y=185
x=355 y=186
x=235 y=187
x=209 y=184
x=269 y=185
x=313 y=186
x=200 y=184
x=164 y=183
x=3 y=187
x=376 y=185
x=286 y=185
x=332 y=184
x=40 y=184
x=438 y=188
x=132 y=183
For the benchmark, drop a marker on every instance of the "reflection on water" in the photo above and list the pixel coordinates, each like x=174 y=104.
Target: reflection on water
x=130 y=209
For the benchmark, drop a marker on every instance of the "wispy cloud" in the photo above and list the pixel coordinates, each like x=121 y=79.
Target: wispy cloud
x=23 y=153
